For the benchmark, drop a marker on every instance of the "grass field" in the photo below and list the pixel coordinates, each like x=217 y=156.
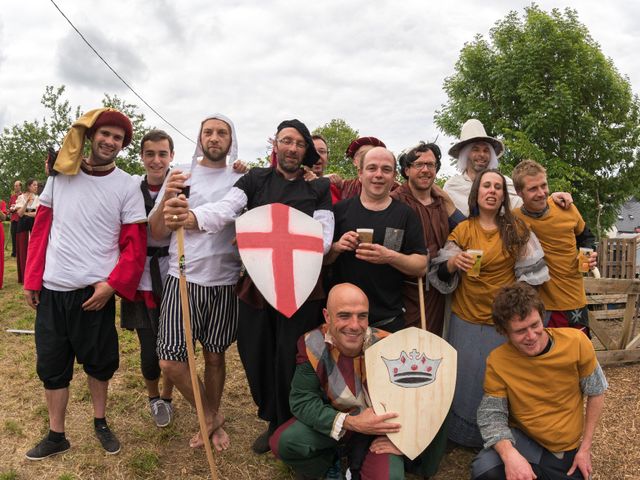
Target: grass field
x=152 y=453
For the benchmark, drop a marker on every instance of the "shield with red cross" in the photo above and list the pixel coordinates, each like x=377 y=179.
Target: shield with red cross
x=281 y=248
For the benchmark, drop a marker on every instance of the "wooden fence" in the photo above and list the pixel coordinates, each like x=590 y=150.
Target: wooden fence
x=609 y=299
x=617 y=257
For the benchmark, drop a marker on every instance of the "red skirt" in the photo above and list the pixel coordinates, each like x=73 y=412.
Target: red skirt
x=22 y=243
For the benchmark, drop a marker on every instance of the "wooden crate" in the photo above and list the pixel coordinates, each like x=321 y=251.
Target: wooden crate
x=619 y=292
x=617 y=257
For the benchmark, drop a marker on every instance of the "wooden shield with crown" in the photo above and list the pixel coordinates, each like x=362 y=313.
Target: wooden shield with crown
x=412 y=373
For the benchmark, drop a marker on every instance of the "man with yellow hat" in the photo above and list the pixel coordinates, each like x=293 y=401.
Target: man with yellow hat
x=92 y=247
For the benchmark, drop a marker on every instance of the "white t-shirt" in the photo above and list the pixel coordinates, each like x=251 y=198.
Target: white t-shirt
x=211 y=259
x=87 y=214
x=145 y=280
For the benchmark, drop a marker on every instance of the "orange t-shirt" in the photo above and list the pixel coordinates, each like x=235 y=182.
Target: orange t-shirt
x=543 y=392
x=557 y=232
x=473 y=299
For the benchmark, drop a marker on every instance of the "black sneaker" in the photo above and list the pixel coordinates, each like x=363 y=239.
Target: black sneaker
x=47 y=448
x=108 y=440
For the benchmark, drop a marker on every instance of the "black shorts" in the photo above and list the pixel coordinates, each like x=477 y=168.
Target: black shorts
x=64 y=332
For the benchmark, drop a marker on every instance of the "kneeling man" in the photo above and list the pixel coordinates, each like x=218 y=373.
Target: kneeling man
x=531 y=416
x=330 y=403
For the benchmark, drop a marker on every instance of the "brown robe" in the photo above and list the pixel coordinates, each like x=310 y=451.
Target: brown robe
x=435 y=224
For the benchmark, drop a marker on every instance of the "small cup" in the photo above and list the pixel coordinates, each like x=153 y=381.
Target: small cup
x=477 y=261
x=583 y=259
x=365 y=235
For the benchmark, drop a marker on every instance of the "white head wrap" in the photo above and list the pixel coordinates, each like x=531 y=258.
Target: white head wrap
x=232 y=154
x=463 y=157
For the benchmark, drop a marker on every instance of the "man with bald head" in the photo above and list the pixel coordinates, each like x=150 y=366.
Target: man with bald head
x=378 y=265
x=329 y=401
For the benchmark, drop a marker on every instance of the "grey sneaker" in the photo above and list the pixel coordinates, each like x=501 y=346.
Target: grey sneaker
x=108 y=440
x=47 y=448
x=161 y=411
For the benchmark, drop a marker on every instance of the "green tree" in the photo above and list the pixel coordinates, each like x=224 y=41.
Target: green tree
x=338 y=135
x=23 y=146
x=543 y=83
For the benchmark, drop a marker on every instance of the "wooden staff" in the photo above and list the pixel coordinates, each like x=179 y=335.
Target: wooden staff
x=191 y=355
x=423 y=316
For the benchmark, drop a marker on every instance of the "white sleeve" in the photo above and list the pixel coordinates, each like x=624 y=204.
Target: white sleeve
x=213 y=217
x=325 y=217
x=20 y=201
x=47 y=194
x=133 y=207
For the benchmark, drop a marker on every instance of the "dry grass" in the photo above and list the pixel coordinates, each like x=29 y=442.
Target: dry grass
x=152 y=453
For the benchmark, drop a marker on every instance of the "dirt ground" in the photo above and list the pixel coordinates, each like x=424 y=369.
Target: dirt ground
x=152 y=453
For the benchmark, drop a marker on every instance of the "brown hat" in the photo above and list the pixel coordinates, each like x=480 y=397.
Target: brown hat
x=113 y=118
x=361 y=142
x=473 y=131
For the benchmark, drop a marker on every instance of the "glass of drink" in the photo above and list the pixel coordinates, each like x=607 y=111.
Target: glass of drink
x=583 y=259
x=365 y=235
x=477 y=260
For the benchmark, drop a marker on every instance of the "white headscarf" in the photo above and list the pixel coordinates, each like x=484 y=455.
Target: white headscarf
x=463 y=157
x=232 y=154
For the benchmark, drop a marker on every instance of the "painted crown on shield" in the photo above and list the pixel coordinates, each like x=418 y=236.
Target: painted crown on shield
x=412 y=370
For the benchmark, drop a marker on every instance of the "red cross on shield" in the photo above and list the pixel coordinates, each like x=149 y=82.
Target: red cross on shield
x=281 y=248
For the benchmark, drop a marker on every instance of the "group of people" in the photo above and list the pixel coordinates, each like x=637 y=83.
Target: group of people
x=306 y=372
x=21 y=212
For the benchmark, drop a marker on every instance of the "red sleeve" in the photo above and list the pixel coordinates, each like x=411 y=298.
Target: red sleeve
x=3 y=206
x=336 y=195
x=37 y=252
x=125 y=276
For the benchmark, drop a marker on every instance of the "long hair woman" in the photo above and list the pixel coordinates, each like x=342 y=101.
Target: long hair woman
x=510 y=252
x=26 y=206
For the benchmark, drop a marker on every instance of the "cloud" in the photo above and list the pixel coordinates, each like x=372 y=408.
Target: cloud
x=78 y=65
x=171 y=18
x=2 y=42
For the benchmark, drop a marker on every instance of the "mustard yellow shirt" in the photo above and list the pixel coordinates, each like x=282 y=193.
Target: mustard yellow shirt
x=473 y=299
x=545 y=400
x=557 y=232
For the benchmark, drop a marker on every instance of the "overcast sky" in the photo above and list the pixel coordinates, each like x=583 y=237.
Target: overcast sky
x=379 y=65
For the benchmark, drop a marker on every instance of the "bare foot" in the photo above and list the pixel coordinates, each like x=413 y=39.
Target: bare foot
x=220 y=439
x=218 y=421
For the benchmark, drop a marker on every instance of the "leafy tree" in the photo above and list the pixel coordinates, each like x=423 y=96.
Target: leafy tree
x=338 y=135
x=23 y=146
x=542 y=83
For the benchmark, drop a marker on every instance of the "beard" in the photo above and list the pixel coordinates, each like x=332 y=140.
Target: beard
x=216 y=156
x=100 y=159
x=288 y=166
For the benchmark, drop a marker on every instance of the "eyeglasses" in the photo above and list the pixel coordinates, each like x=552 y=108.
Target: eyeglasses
x=322 y=151
x=290 y=141
x=422 y=165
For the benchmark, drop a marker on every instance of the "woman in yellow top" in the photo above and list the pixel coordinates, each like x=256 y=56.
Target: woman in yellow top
x=510 y=252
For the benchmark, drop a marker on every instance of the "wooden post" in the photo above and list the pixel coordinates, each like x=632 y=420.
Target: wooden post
x=423 y=316
x=191 y=355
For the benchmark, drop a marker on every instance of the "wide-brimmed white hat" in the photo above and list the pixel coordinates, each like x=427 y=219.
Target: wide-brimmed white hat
x=473 y=131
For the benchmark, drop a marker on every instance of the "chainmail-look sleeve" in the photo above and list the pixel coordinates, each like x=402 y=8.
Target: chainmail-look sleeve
x=493 y=420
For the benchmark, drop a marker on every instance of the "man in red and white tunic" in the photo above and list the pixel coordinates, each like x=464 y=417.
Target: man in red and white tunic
x=92 y=247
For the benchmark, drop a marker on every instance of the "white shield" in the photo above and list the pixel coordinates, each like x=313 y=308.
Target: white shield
x=412 y=373
x=281 y=248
